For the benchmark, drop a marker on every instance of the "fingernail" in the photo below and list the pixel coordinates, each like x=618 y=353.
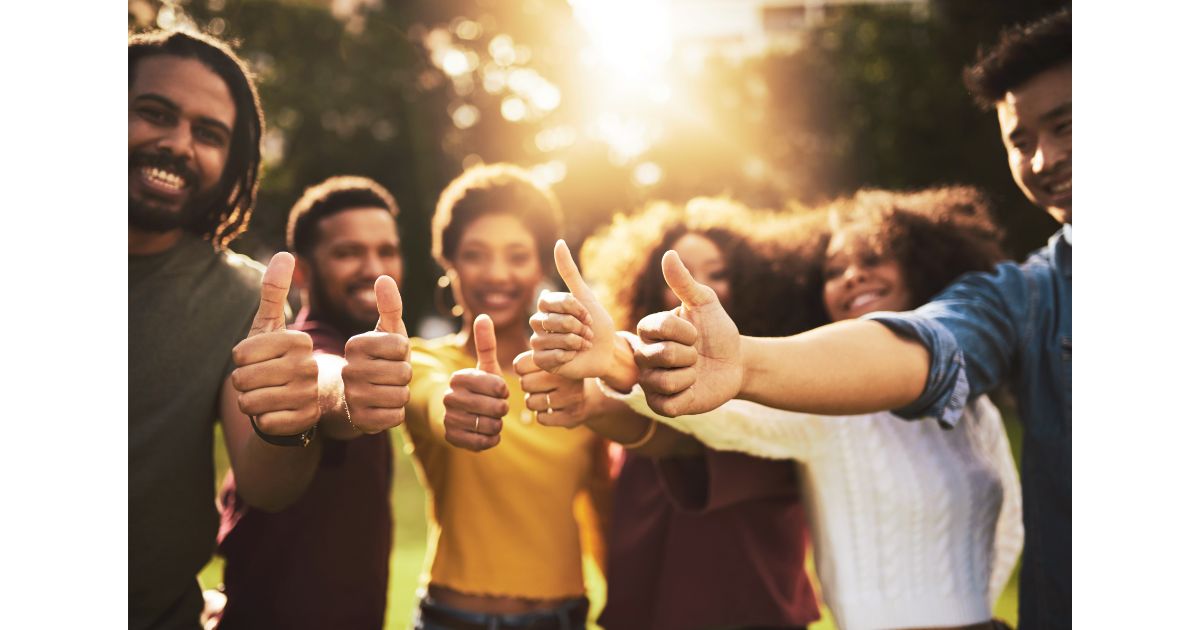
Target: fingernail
x=588 y=334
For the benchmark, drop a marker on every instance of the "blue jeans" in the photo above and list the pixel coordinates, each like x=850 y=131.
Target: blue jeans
x=571 y=615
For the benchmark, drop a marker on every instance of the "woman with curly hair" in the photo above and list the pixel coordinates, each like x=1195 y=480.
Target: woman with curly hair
x=673 y=495
x=914 y=526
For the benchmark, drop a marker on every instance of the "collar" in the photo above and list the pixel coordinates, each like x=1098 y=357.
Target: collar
x=1060 y=249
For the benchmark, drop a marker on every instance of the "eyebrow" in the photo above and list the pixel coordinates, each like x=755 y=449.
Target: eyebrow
x=169 y=104
x=1065 y=108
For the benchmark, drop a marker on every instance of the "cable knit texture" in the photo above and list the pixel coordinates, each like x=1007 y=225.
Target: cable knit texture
x=913 y=525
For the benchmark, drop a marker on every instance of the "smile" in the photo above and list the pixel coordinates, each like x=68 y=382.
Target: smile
x=862 y=299
x=162 y=180
x=497 y=299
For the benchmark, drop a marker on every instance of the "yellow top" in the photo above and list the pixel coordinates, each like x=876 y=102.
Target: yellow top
x=515 y=520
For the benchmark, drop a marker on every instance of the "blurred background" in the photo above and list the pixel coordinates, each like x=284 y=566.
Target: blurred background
x=615 y=102
x=612 y=103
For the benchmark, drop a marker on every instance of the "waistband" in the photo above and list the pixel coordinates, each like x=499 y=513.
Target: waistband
x=568 y=616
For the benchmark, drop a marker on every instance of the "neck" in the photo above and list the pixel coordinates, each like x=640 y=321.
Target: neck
x=143 y=243
x=510 y=341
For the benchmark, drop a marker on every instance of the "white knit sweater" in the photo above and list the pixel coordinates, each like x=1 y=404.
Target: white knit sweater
x=913 y=525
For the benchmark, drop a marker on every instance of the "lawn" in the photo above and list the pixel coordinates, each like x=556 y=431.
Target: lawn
x=408 y=548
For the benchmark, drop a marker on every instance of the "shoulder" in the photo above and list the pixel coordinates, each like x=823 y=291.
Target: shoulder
x=243 y=273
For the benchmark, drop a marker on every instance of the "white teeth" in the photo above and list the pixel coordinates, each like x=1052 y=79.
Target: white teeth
x=366 y=295
x=1060 y=187
x=163 y=178
x=864 y=298
x=496 y=299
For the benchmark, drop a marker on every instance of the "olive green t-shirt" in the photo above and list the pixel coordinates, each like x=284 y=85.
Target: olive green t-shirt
x=188 y=307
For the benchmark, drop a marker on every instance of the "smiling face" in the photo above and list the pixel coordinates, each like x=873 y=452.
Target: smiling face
x=353 y=248
x=496 y=270
x=703 y=258
x=859 y=281
x=181 y=117
x=1035 y=123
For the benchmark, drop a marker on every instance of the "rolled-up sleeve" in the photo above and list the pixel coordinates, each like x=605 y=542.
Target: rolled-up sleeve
x=972 y=331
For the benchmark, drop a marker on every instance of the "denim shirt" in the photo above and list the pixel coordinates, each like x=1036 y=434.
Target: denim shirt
x=1012 y=325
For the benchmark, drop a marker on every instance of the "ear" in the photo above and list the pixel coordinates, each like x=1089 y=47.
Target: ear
x=301 y=274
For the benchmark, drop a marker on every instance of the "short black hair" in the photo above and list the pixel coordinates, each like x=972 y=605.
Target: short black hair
x=1023 y=52
x=230 y=212
x=496 y=189
x=329 y=197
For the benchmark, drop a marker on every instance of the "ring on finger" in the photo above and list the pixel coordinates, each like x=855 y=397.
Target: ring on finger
x=476 y=430
x=549 y=409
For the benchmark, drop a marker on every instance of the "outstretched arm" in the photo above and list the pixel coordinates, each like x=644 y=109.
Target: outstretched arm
x=693 y=360
x=844 y=368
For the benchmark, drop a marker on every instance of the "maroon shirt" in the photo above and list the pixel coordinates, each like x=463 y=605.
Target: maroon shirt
x=716 y=541
x=322 y=562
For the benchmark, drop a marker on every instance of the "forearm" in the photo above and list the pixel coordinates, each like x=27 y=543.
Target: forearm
x=335 y=422
x=268 y=477
x=614 y=420
x=845 y=368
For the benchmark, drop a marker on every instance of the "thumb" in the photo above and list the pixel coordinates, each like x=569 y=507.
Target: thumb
x=569 y=271
x=391 y=307
x=275 y=284
x=485 y=345
x=683 y=285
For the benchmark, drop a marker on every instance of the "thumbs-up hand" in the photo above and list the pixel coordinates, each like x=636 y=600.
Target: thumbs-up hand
x=477 y=400
x=377 y=372
x=690 y=357
x=573 y=336
x=557 y=401
x=276 y=375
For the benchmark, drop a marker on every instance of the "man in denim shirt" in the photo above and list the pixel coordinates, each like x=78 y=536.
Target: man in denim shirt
x=1011 y=325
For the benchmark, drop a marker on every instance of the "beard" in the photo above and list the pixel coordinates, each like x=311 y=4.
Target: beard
x=333 y=312
x=151 y=214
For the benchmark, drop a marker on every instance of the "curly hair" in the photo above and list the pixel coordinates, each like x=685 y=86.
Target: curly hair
x=230 y=212
x=329 y=197
x=935 y=235
x=767 y=280
x=1023 y=52
x=496 y=189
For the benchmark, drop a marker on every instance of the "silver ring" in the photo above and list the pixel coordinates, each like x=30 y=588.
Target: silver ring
x=549 y=409
x=476 y=424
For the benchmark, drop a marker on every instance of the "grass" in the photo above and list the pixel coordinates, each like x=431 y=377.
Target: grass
x=408 y=545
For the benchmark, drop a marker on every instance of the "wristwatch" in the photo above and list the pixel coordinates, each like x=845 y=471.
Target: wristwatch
x=299 y=439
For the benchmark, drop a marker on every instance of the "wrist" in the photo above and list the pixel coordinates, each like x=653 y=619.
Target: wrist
x=749 y=351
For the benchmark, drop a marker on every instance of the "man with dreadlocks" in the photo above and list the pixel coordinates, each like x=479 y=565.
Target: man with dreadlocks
x=194 y=129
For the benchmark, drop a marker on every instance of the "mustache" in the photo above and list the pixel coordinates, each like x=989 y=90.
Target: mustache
x=167 y=162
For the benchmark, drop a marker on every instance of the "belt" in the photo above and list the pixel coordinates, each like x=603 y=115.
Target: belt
x=540 y=620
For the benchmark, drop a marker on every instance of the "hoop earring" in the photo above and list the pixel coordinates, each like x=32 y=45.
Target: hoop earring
x=445 y=305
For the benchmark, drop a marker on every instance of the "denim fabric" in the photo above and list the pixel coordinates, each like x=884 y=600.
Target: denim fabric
x=498 y=622
x=1013 y=325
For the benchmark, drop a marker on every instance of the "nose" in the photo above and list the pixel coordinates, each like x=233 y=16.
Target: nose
x=176 y=140
x=854 y=274
x=1048 y=156
x=372 y=266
